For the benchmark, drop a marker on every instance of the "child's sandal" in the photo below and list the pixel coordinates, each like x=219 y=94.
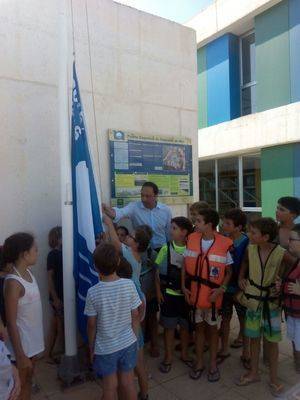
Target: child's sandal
x=276 y=390
x=245 y=380
x=213 y=376
x=196 y=373
x=164 y=367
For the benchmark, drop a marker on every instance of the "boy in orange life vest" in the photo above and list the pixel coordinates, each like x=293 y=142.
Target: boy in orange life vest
x=195 y=208
x=207 y=267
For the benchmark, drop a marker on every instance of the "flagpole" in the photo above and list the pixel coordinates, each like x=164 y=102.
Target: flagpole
x=69 y=367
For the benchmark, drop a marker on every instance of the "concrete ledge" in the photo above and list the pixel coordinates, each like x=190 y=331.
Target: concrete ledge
x=251 y=133
x=235 y=16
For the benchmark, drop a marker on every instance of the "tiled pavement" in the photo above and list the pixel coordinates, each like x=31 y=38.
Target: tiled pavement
x=176 y=385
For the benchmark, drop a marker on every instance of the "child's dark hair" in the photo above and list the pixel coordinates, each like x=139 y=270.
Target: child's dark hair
x=237 y=216
x=266 y=226
x=124 y=229
x=198 y=206
x=106 y=258
x=183 y=223
x=210 y=216
x=54 y=237
x=143 y=235
x=151 y=185
x=291 y=203
x=124 y=269
x=296 y=229
x=15 y=245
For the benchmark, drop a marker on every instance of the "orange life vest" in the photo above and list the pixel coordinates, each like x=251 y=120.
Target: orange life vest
x=206 y=270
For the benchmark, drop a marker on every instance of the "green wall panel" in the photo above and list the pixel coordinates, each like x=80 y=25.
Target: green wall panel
x=277 y=171
x=202 y=88
x=272 y=57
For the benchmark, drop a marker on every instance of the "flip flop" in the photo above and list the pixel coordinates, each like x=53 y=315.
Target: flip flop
x=244 y=380
x=213 y=376
x=188 y=362
x=246 y=362
x=222 y=357
x=164 y=367
x=196 y=373
x=237 y=344
x=276 y=390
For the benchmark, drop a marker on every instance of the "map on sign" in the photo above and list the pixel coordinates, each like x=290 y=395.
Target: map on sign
x=135 y=159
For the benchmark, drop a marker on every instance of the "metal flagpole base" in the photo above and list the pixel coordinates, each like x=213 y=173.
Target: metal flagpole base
x=69 y=371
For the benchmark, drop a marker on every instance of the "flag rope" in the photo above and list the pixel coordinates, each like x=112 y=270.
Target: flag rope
x=73 y=30
x=93 y=94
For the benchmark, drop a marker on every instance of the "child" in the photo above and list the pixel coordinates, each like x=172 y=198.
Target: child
x=147 y=279
x=288 y=209
x=291 y=291
x=4 y=270
x=234 y=224
x=113 y=320
x=23 y=307
x=173 y=308
x=9 y=378
x=138 y=243
x=122 y=233
x=207 y=266
x=195 y=208
x=55 y=286
x=262 y=264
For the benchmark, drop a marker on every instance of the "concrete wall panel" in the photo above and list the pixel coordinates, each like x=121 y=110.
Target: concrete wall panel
x=141 y=83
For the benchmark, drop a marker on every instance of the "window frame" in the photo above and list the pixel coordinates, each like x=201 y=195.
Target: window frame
x=240 y=182
x=249 y=84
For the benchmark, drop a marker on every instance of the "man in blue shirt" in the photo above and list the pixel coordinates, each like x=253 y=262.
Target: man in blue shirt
x=149 y=212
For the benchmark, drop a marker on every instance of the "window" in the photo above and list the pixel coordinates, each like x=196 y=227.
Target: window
x=228 y=180
x=207 y=182
x=251 y=181
x=248 y=76
x=232 y=182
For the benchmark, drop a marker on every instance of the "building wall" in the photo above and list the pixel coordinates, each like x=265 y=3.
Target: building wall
x=280 y=171
x=202 y=88
x=294 y=25
x=272 y=57
x=277 y=43
x=144 y=78
x=251 y=133
x=218 y=81
x=225 y=16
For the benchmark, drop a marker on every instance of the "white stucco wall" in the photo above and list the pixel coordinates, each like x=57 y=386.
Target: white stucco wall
x=144 y=71
x=251 y=133
x=222 y=16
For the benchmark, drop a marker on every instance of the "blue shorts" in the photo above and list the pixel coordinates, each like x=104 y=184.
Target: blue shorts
x=121 y=361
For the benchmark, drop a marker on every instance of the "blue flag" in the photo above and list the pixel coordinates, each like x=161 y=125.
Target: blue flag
x=86 y=212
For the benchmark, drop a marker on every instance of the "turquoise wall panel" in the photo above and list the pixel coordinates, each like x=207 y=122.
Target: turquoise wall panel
x=272 y=57
x=294 y=25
